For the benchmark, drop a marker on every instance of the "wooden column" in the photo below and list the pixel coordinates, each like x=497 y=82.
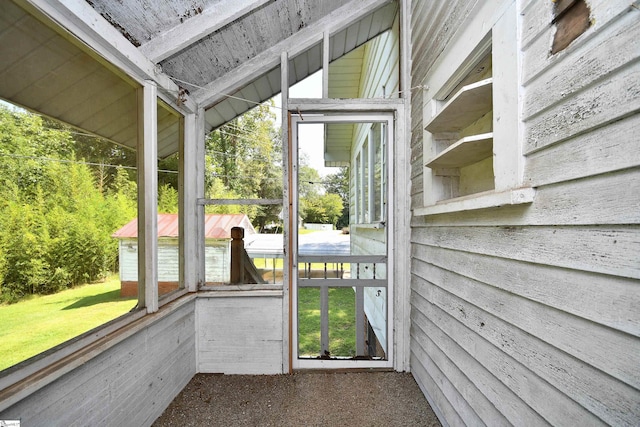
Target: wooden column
x=147 y=161
x=287 y=301
x=326 y=52
x=399 y=261
x=237 y=255
x=188 y=201
x=199 y=189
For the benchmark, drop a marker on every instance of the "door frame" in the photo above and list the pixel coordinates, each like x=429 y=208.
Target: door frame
x=292 y=165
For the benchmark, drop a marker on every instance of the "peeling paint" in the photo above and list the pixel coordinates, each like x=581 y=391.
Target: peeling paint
x=120 y=28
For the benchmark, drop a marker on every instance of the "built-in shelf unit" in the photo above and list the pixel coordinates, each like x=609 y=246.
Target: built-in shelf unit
x=461 y=157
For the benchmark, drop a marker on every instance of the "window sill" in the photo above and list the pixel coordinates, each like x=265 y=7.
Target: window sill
x=489 y=199
x=25 y=379
x=374 y=225
x=264 y=289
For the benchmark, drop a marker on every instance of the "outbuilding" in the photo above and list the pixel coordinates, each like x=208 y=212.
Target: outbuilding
x=217 y=250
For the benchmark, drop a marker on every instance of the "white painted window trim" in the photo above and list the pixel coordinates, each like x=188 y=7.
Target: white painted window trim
x=496 y=28
x=365 y=208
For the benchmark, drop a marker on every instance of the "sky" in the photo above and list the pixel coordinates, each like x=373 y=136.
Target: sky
x=311 y=137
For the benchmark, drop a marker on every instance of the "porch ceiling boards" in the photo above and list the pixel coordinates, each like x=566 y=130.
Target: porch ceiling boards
x=206 y=46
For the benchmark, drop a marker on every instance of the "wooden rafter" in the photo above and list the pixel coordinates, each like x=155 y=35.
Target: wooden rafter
x=198 y=27
x=297 y=43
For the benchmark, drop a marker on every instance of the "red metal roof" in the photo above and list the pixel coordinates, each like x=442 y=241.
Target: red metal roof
x=216 y=226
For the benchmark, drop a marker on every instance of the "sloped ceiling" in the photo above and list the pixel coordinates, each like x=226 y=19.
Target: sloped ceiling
x=198 y=43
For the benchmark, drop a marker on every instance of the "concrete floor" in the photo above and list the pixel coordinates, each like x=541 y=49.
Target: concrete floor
x=303 y=399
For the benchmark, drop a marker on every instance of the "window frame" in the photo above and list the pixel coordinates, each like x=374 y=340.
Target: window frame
x=368 y=209
x=491 y=28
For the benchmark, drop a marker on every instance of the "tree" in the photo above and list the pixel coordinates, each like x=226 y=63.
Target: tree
x=325 y=209
x=338 y=183
x=167 y=199
x=245 y=156
x=57 y=218
x=309 y=182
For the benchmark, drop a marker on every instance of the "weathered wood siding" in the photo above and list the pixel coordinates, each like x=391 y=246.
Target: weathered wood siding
x=529 y=315
x=129 y=384
x=380 y=78
x=240 y=332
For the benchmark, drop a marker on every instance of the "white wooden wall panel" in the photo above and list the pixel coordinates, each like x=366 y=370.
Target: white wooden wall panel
x=534 y=310
x=129 y=384
x=572 y=292
x=594 y=151
x=441 y=406
x=559 y=330
x=598 y=105
x=240 y=335
x=501 y=351
x=485 y=408
x=494 y=395
x=537 y=23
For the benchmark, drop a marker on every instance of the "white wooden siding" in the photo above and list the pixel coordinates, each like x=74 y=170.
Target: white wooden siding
x=217 y=260
x=529 y=315
x=380 y=69
x=240 y=332
x=129 y=384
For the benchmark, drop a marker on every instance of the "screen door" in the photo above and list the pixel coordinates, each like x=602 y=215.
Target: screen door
x=341 y=290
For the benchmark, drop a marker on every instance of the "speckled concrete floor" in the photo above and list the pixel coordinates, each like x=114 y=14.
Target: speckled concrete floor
x=303 y=399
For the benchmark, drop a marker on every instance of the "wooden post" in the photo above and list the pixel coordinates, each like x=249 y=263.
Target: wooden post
x=237 y=255
x=147 y=160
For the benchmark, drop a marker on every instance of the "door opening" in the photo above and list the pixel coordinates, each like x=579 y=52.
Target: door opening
x=341 y=287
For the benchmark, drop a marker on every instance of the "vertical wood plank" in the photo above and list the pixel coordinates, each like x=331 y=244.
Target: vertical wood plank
x=324 y=321
x=399 y=190
x=508 y=161
x=326 y=52
x=188 y=218
x=287 y=178
x=148 y=196
x=360 y=325
x=370 y=178
x=199 y=190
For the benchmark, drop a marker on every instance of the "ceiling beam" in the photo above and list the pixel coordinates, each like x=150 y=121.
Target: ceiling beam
x=198 y=27
x=297 y=43
x=81 y=21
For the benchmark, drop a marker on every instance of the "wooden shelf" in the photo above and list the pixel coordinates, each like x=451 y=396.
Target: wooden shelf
x=464 y=152
x=489 y=199
x=468 y=105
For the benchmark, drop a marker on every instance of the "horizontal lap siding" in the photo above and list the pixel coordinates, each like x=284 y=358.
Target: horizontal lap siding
x=130 y=384
x=529 y=314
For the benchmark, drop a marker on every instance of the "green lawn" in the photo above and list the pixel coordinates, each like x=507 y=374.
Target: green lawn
x=42 y=322
x=342 y=322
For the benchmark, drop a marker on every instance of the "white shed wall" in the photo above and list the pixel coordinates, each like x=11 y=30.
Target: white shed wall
x=217 y=260
x=528 y=315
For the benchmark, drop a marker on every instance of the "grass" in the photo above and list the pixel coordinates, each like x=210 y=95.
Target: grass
x=306 y=231
x=342 y=322
x=32 y=326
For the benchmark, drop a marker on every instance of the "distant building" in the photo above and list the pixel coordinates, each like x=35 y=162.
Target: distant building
x=217 y=229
